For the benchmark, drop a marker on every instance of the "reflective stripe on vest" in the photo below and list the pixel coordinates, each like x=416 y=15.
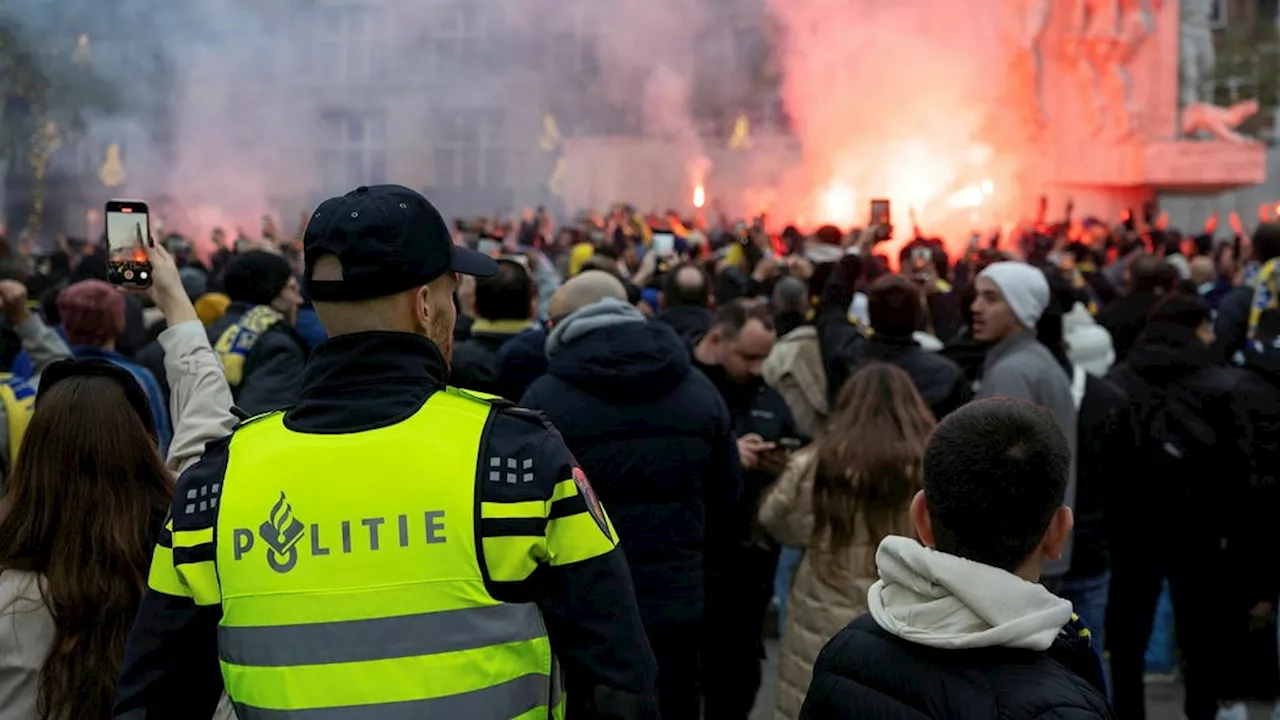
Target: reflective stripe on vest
x=350 y=584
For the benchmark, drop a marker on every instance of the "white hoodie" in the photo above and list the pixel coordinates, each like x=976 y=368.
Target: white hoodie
x=1088 y=344
x=943 y=601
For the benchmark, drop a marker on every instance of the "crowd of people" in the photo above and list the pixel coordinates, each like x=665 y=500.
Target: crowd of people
x=955 y=484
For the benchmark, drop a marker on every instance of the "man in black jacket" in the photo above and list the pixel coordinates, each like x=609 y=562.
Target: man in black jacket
x=657 y=440
x=686 y=295
x=895 y=307
x=261 y=352
x=740 y=586
x=1191 y=460
x=1103 y=444
x=958 y=625
x=505 y=305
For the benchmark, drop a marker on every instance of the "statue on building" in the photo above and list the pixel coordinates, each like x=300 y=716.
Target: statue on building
x=1030 y=42
x=1205 y=119
x=1196 y=58
x=1102 y=43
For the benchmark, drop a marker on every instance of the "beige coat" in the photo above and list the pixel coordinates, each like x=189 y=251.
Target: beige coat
x=817 y=609
x=201 y=408
x=794 y=368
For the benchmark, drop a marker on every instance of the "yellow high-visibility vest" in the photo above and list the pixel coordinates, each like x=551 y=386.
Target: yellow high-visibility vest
x=347 y=570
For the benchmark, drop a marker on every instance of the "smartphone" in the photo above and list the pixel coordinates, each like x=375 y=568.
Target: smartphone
x=880 y=211
x=128 y=236
x=880 y=215
x=664 y=244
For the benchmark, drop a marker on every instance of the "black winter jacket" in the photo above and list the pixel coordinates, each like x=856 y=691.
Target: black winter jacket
x=940 y=380
x=1197 y=473
x=689 y=322
x=866 y=672
x=475 y=360
x=655 y=439
x=521 y=361
x=1103 y=445
x=272 y=371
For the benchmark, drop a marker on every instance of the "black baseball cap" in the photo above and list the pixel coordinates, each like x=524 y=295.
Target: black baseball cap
x=388 y=239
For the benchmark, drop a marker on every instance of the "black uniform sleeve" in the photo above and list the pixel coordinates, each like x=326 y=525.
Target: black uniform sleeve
x=545 y=538
x=171 y=666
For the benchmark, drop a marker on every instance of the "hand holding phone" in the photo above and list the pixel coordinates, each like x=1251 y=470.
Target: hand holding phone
x=128 y=237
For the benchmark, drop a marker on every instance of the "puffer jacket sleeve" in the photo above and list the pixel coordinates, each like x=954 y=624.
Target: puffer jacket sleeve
x=787 y=509
x=200 y=399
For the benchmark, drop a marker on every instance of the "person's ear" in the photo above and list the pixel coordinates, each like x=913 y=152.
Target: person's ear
x=919 y=513
x=422 y=308
x=1058 y=532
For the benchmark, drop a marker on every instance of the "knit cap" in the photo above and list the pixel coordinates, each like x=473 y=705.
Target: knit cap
x=1024 y=288
x=92 y=313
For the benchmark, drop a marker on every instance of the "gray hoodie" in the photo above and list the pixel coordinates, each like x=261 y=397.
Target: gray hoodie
x=1020 y=367
x=578 y=323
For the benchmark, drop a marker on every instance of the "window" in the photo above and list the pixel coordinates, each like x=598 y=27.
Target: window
x=463 y=36
x=470 y=149
x=354 y=151
x=353 y=43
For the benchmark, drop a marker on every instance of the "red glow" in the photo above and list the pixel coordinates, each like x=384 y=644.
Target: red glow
x=933 y=126
x=699 y=196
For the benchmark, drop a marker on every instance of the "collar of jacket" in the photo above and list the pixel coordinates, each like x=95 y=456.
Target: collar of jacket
x=499 y=327
x=376 y=361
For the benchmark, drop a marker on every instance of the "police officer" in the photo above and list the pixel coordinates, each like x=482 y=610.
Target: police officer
x=389 y=547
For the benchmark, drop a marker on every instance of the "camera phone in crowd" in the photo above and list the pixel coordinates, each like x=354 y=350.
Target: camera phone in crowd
x=128 y=230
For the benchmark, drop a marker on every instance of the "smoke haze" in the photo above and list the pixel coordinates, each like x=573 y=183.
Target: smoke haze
x=891 y=99
x=236 y=109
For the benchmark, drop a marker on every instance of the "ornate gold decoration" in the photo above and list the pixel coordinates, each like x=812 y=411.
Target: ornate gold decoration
x=741 y=137
x=550 y=139
x=112 y=173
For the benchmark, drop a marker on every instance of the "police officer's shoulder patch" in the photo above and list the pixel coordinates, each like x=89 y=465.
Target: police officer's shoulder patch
x=594 y=508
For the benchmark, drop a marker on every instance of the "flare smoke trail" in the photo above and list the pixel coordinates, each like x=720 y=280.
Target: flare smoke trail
x=894 y=99
x=238 y=130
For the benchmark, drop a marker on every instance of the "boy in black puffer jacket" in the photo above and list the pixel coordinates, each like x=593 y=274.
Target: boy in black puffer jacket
x=958 y=626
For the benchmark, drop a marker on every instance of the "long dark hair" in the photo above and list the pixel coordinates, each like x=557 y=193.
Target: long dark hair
x=869 y=459
x=82 y=509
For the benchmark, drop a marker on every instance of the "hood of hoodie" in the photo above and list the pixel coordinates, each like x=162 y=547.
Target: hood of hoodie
x=1088 y=343
x=938 y=600
x=1168 y=353
x=615 y=355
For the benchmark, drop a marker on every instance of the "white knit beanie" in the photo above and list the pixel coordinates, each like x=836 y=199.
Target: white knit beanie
x=1024 y=288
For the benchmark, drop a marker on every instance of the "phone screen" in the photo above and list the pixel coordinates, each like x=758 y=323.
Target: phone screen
x=880 y=212
x=664 y=244
x=128 y=231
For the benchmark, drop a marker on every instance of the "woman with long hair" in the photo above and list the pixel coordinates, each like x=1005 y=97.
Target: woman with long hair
x=838 y=499
x=87 y=499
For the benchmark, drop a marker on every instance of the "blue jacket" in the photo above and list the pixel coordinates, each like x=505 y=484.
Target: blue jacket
x=655 y=439
x=159 y=413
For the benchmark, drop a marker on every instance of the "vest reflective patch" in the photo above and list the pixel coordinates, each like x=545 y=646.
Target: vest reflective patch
x=504 y=700
x=380 y=638
x=350 y=582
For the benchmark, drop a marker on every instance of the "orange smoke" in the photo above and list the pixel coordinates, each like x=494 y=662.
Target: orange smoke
x=902 y=101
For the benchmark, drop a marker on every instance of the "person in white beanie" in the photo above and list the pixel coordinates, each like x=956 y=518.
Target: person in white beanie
x=1011 y=298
